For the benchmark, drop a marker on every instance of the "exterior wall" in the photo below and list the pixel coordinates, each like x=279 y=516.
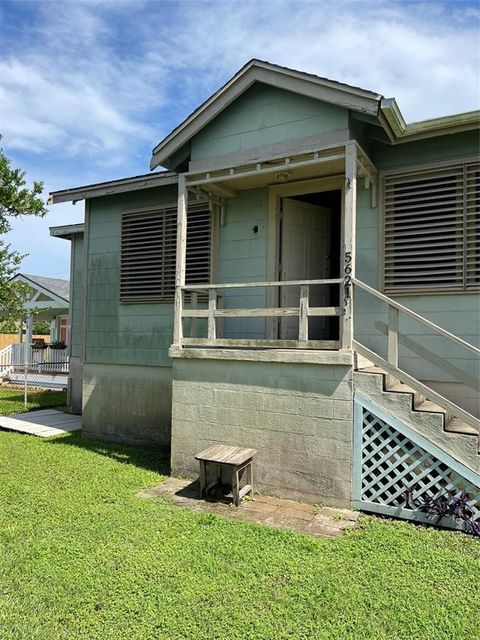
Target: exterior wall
x=266 y=115
x=76 y=294
x=297 y=416
x=120 y=333
x=243 y=258
x=75 y=385
x=127 y=371
x=76 y=324
x=428 y=356
x=127 y=404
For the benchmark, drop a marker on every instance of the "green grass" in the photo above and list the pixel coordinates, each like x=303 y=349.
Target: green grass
x=82 y=557
x=12 y=400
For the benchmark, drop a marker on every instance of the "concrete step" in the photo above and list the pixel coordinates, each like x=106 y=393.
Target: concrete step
x=361 y=362
x=455 y=425
x=372 y=369
x=427 y=406
x=401 y=387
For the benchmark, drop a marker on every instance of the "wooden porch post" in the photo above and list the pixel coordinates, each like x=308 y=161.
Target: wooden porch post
x=349 y=243
x=181 y=258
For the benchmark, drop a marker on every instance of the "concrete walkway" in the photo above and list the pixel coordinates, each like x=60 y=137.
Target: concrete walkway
x=44 y=423
x=274 y=512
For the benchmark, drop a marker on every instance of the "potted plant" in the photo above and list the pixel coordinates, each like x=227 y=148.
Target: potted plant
x=58 y=344
x=38 y=343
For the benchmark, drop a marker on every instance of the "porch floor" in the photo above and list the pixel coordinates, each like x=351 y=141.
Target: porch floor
x=289 y=515
x=44 y=423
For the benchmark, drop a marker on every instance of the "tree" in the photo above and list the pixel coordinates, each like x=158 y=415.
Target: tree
x=16 y=199
x=40 y=327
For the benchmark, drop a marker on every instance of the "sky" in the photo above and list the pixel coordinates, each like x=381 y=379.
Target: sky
x=88 y=88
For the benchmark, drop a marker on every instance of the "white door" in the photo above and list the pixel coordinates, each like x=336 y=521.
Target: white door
x=305 y=255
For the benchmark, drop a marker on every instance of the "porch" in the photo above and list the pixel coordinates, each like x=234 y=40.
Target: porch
x=304 y=299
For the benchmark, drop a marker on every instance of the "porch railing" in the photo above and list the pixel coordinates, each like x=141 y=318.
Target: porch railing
x=214 y=312
x=17 y=355
x=391 y=364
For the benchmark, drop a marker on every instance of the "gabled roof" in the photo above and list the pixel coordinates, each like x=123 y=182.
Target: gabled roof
x=384 y=110
x=54 y=287
x=300 y=82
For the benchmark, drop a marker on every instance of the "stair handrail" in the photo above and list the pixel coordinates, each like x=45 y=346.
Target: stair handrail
x=428 y=323
x=391 y=364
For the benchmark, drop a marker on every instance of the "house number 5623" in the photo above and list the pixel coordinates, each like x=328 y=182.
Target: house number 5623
x=347 y=277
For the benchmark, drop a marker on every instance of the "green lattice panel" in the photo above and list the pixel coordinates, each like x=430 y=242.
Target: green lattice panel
x=390 y=457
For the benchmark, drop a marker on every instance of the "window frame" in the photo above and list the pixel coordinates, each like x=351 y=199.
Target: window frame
x=426 y=166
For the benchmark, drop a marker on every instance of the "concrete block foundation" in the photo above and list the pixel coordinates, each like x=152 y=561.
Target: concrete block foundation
x=298 y=416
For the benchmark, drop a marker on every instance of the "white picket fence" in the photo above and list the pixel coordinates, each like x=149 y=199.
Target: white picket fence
x=16 y=356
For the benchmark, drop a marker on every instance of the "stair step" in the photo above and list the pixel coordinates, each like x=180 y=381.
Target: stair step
x=400 y=387
x=376 y=370
x=458 y=426
x=430 y=407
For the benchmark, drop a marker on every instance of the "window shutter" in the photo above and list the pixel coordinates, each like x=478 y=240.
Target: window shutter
x=472 y=240
x=428 y=229
x=148 y=253
x=199 y=234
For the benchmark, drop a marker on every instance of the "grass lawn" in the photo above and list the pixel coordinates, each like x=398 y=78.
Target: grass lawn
x=82 y=557
x=12 y=400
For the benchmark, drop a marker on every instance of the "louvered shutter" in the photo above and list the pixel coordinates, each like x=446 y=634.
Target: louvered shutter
x=430 y=220
x=472 y=240
x=148 y=253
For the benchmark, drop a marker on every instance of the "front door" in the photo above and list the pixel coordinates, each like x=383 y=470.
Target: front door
x=63 y=329
x=305 y=255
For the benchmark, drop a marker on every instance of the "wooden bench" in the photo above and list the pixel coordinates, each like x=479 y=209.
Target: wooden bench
x=238 y=461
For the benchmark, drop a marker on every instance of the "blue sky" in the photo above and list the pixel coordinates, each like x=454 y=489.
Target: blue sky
x=87 y=88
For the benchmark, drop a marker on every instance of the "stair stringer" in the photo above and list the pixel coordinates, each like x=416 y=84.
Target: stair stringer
x=390 y=457
x=462 y=447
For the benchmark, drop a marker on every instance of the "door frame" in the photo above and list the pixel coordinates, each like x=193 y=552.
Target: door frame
x=275 y=194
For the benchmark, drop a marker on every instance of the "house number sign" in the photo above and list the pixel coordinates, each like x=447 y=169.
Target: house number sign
x=347 y=277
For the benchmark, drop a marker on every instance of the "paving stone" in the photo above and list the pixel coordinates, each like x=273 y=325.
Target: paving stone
x=265 y=510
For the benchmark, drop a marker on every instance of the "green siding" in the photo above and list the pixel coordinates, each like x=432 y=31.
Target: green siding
x=424 y=354
x=243 y=258
x=136 y=334
x=431 y=150
x=76 y=303
x=266 y=115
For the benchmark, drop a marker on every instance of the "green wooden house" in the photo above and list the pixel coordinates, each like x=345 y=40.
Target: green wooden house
x=299 y=274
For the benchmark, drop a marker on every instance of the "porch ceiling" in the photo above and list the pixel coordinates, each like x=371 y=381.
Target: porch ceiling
x=316 y=163
x=280 y=170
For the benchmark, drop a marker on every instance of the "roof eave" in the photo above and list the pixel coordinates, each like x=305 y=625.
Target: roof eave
x=408 y=132
x=66 y=231
x=112 y=187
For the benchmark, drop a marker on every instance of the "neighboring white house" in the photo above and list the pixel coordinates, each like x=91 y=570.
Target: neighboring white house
x=49 y=301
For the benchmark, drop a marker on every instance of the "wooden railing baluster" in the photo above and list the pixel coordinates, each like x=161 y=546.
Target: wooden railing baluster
x=303 y=313
x=392 y=345
x=212 y=307
x=193 y=320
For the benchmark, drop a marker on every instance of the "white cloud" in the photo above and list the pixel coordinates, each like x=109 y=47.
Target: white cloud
x=90 y=87
x=424 y=55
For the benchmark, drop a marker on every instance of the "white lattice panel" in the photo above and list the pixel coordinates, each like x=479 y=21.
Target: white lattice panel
x=390 y=458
